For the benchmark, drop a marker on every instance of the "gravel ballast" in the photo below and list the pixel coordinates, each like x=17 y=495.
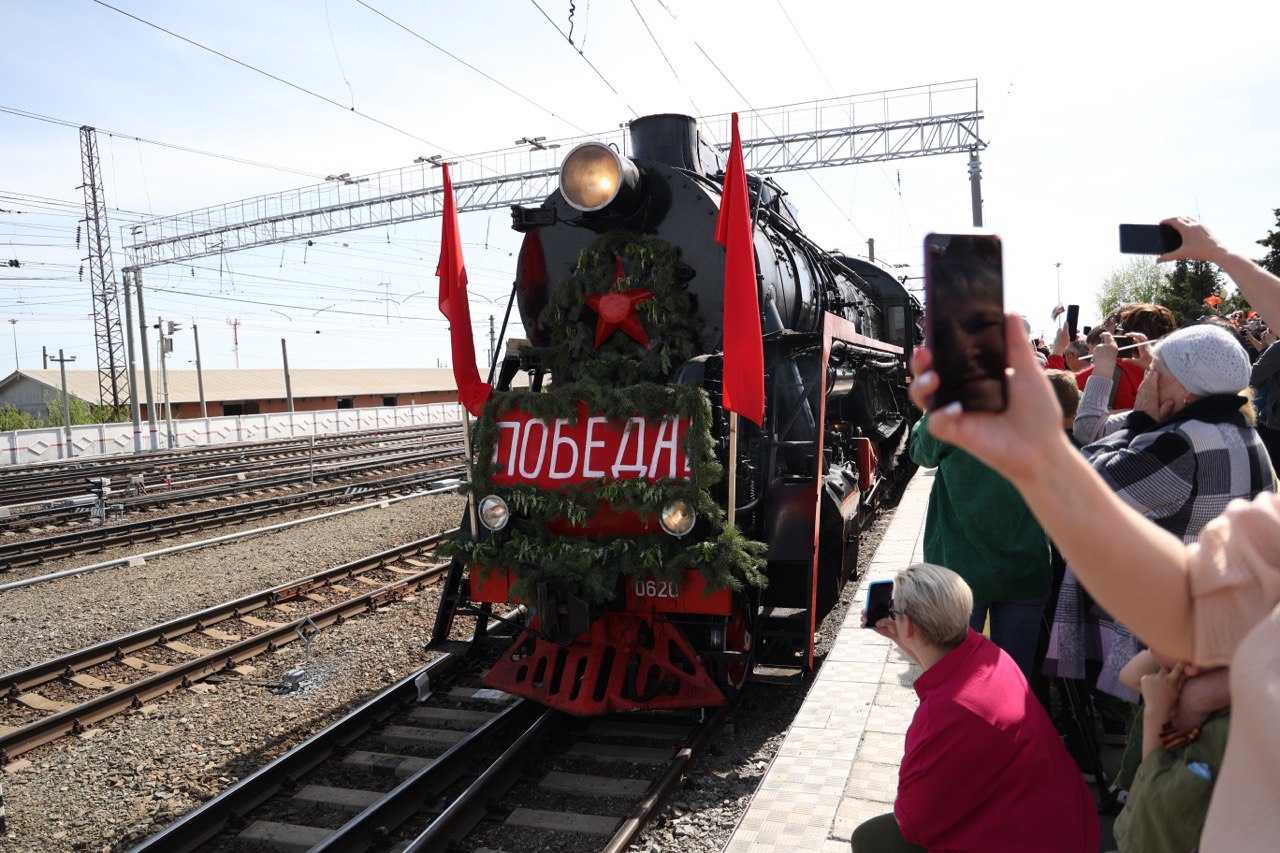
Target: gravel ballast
x=46 y=620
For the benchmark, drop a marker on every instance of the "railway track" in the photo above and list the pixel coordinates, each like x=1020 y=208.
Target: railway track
x=35 y=487
x=31 y=552
x=229 y=486
x=65 y=694
x=438 y=761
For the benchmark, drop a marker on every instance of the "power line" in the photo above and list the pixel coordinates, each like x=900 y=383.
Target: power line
x=656 y=44
x=806 y=46
x=277 y=78
x=459 y=59
x=183 y=148
x=575 y=50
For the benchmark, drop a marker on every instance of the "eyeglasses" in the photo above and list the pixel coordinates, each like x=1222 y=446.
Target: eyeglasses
x=894 y=612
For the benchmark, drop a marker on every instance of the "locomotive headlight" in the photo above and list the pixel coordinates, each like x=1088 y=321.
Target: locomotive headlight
x=677 y=518
x=593 y=175
x=494 y=513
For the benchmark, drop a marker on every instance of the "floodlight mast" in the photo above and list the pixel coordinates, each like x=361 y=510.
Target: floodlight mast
x=922 y=121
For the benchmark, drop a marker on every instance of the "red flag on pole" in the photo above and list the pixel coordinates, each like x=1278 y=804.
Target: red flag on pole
x=452 y=271
x=743 y=386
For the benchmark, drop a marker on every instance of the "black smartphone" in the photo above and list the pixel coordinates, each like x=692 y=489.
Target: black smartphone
x=879 y=597
x=964 y=320
x=1073 y=320
x=1123 y=341
x=1149 y=239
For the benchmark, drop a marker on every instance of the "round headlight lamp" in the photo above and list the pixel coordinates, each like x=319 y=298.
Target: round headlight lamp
x=593 y=175
x=677 y=518
x=493 y=512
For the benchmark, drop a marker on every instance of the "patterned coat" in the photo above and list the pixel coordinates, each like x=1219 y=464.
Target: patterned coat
x=1181 y=475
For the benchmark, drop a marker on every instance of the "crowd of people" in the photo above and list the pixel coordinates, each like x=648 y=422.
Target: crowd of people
x=1116 y=533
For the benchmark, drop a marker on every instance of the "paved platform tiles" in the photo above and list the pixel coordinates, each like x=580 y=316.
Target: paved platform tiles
x=838 y=764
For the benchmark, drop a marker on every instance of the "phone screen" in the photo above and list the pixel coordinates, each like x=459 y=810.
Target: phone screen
x=1149 y=239
x=964 y=320
x=1073 y=320
x=879 y=596
x=1126 y=341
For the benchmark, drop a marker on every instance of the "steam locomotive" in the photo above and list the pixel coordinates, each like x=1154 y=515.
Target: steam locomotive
x=600 y=487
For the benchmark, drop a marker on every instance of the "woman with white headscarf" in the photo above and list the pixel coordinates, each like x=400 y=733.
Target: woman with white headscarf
x=1183 y=453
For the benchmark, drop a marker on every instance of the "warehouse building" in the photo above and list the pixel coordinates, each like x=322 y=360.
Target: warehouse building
x=246 y=392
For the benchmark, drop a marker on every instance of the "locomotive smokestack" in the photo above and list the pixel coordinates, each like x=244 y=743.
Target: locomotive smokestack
x=668 y=138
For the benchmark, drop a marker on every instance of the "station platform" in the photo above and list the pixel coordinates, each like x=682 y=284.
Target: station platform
x=838 y=764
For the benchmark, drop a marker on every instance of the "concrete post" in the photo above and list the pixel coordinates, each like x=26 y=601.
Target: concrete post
x=204 y=409
x=975 y=187
x=146 y=358
x=134 y=408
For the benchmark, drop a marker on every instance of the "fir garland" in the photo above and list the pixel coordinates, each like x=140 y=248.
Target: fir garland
x=616 y=381
x=669 y=318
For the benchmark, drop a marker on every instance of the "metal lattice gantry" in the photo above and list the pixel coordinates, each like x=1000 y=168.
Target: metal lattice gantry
x=113 y=384
x=940 y=118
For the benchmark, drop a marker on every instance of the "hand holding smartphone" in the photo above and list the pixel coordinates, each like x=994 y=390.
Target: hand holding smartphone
x=879 y=597
x=964 y=320
x=1149 y=239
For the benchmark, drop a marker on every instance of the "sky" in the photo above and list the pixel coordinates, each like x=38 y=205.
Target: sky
x=1094 y=114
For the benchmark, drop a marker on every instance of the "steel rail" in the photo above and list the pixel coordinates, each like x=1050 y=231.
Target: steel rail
x=326 y=467
x=76 y=718
x=205 y=822
x=62 y=470
x=20 y=554
x=25 y=679
x=473 y=804
x=658 y=793
x=373 y=824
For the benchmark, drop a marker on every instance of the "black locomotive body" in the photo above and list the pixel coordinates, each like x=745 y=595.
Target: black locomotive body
x=836 y=331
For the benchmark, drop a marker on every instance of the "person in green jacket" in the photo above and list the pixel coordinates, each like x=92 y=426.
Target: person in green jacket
x=979 y=527
x=1174 y=754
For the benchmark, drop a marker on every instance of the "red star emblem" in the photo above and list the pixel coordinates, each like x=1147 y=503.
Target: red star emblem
x=618 y=310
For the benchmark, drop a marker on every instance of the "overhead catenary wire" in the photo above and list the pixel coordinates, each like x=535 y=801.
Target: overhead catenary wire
x=462 y=61
x=275 y=77
x=590 y=64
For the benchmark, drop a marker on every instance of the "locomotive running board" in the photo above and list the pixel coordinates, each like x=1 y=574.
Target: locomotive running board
x=611 y=667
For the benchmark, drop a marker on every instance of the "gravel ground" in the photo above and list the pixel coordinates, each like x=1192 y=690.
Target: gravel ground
x=34 y=623
x=705 y=808
x=110 y=788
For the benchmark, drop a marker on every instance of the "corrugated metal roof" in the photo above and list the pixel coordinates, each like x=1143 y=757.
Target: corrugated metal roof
x=235 y=385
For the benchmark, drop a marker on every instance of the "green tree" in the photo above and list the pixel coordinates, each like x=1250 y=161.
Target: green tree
x=1139 y=280
x=11 y=418
x=81 y=412
x=1272 y=244
x=1186 y=288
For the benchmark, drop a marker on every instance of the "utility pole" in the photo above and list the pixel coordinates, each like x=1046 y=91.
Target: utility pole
x=14 y=324
x=1058 y=267
x=44 y=352
x=108 y=336
x=166 y=346
x=975 y=186
x=204 y=410
x=288 y=386
x=493 y=343
x=126 y=278
x=66 y=402
x=871 y=249
x=146 y=358
x=234 y=323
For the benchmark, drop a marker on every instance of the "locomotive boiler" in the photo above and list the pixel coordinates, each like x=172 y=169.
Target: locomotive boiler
x=601 y=487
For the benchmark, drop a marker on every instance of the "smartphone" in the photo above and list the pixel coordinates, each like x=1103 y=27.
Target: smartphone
x=1126 y=341
x=964 y=320
x=1073 y=320
x=1149 y=239
x=879 y=597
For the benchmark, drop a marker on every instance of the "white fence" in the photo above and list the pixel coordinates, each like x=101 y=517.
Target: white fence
x=48 y=444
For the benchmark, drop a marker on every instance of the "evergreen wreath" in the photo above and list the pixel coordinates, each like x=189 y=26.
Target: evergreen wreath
x=654 y=264
x=615 y=382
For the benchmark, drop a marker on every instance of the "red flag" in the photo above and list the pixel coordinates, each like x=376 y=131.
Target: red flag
x=743 y=384
x=1212 y=301
x=452 y=271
